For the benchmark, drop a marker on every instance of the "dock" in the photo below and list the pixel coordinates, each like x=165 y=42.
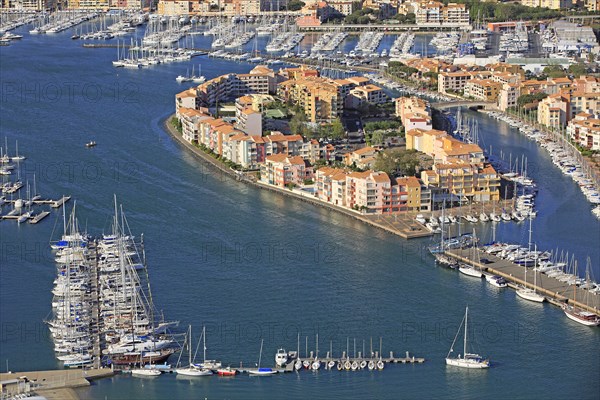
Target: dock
x=60 y=202
x=555 y=291
x=391 y=359
x=50 y=384
x=38 y=217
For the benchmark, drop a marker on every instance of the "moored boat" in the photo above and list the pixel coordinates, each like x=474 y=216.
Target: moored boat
x=227 y=371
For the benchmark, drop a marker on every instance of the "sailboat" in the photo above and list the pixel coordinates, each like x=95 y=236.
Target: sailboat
x=198 y=78
x=578 y=314
x=469 y=360
x=151 y=372
x=298 y=363
x=207 y=364
x=191 y=369
x=524 y=292
x=470 y=270
x=182 y=78
x=261 y=371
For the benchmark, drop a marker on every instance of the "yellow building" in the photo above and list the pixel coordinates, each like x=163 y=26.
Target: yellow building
x=478 y=183
x=424 y=140
x=174 y=7
x=320 y=98
x=482 y=89
x=414 y=113
x=553 y=111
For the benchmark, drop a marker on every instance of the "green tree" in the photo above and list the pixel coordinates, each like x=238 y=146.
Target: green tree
x=298 y=124
x=555 y=71
x=337 y=129
x=398 y=162
x=295 y=5
x=577 y=70
x=530 y=98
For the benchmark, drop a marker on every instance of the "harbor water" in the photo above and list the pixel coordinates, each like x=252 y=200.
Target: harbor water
x=250 y=264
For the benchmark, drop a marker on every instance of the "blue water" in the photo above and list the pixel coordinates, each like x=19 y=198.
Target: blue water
x=252 y=265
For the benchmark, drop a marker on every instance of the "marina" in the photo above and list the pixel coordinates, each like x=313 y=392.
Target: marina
x=556 y=291
x=321 y=256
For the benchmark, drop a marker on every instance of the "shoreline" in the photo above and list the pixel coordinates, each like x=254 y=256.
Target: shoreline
x=414 y=232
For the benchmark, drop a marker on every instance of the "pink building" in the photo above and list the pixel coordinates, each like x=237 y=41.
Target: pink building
x=281 y=170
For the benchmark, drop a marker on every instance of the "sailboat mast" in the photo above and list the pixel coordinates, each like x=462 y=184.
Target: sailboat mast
x=190 y=344
x=204 y=343
x=466 y=327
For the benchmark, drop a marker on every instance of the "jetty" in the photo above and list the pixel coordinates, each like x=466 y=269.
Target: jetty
x=51 y=384
x=60 y=202
x=555 y=291
x=38 y=217
x=391 y=359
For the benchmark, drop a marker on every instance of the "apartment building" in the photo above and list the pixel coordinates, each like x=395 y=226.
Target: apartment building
x=456 y=81
x=414 y=112
x=187 y=99
x=174 y=7
x=190 y=119
x=508 y=96
x=261 y=80
x=584 y=130
x=283 y=170
x=361 y=158
x=553 y=111
x=369 y=94
x=482 y=89
x=455 y=13
x=320 y=98
x=588 y=102
x=463 y=179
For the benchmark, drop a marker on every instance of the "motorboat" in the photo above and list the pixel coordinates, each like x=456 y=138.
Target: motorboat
x=227 y=371
x=496 y=280
x=281 y=357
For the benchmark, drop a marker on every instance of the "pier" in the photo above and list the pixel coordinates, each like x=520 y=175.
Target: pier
x=37 y=218
x=555 y=291
x=60 y=202
x=52 y=384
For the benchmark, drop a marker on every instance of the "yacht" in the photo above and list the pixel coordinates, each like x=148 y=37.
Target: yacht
x=496 y=280
x=148 y=372
x=468 y=360
x=281 y=357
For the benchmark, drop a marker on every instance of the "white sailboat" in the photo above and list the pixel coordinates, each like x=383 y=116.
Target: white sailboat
x=191 y=369
x=578 y=314
x=527 y=293
x=471 y=270
x=261 y=371
x=468 y=360
x=207 y=364
x=151 y=372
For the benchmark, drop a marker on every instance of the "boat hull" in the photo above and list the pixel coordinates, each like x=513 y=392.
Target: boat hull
x=193 y=372
x=531 y=296
x=261 y=372
x=572 y=315
x=128 y=359
x=471 y=272
x=470 y=364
